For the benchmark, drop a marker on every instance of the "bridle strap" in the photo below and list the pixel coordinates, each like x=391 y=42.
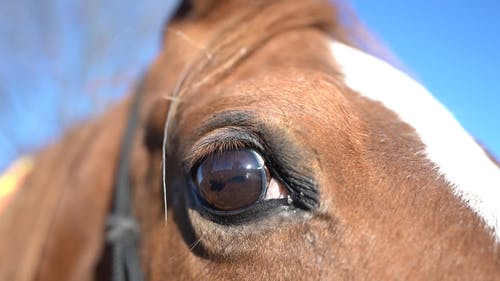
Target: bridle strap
x=122 y=229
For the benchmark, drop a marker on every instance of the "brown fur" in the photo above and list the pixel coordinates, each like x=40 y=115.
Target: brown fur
x=384 y=212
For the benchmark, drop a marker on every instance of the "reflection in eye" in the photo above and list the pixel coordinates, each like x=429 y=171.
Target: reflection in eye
x=232 y=180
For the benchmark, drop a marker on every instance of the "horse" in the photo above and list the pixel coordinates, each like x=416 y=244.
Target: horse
x=266 y=145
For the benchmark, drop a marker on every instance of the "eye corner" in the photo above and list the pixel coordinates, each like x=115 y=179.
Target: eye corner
x=303 y=191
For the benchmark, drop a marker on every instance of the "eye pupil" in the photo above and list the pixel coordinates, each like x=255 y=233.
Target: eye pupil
x=232 y=180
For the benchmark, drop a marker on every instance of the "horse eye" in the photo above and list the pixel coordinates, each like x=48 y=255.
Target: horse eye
x=232 y=180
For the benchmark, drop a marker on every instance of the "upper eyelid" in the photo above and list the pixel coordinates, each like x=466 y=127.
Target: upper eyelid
x=222 y=139
x=228 y=119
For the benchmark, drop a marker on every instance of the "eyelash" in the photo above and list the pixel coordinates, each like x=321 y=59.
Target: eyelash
x=220 y=140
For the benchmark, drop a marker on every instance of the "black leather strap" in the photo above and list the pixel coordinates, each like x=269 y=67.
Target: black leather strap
x=123 y=231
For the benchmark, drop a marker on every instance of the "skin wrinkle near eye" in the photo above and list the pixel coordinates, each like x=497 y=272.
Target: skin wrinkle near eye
x=237 y=129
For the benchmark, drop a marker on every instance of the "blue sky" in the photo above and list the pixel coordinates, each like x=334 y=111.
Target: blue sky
x=61 y=61
x=453 y=48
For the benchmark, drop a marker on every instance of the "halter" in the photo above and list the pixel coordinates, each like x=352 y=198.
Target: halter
x=122 y=229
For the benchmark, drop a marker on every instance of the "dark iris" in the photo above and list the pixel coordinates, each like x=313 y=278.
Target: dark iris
x=232 y=180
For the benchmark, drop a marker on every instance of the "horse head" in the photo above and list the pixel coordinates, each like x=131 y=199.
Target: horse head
x=271 y=147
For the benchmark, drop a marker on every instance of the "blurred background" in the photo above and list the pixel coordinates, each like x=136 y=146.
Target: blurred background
x=63 y=61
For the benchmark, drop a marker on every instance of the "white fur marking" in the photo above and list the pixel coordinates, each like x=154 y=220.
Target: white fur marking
x=475 y=178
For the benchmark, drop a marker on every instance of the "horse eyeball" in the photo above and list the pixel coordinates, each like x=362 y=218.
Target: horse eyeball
x=232 y=180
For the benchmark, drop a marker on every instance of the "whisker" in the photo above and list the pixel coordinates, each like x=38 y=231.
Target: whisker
x=230 y=243
x=171 y=98
x=190 y=41
x=221 y=68
x=165 y=206
x=196 y=243
x=187 y=255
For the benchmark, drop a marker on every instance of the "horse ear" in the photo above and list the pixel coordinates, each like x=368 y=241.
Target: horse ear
x=155 y=124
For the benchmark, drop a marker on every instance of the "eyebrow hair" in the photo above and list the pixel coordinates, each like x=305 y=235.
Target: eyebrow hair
x=243 y=129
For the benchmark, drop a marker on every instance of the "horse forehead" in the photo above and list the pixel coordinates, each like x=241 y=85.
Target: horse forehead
x=283 y=92
x=471 y=173
x=297 y=102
